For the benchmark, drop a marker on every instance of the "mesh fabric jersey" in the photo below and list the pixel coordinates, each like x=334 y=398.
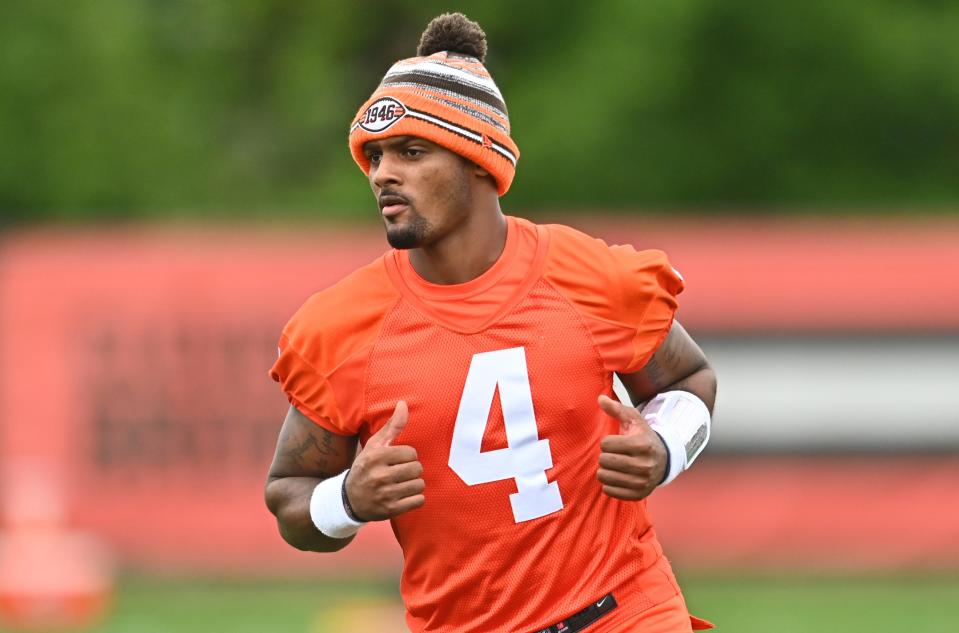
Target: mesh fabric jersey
x=501 y=375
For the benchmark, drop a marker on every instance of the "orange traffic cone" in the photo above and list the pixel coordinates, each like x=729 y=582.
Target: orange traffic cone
x=51 y=577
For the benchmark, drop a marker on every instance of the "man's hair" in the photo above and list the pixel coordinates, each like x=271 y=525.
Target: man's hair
x=454 y=33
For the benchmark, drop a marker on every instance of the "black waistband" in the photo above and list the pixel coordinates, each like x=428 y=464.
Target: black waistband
x=581 y=619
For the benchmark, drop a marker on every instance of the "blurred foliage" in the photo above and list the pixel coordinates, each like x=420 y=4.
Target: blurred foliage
x=218 y=108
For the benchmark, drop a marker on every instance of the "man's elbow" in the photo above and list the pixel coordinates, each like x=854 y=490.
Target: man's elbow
x=702 y=383
x=313 y=541
x=293 y=519
x=711 y=385
x=271 y=495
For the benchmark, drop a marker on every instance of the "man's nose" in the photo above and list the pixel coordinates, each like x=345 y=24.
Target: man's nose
x=386 y=172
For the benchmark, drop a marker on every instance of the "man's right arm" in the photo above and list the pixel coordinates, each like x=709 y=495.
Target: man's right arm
x=306 y=454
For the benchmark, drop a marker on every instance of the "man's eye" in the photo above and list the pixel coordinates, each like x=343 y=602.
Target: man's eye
x=413 y=152
x=374 y=157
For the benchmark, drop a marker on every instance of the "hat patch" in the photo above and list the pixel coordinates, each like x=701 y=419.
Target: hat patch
x=381 y=114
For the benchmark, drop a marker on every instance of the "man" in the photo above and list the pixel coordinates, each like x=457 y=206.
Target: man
x=473 y=366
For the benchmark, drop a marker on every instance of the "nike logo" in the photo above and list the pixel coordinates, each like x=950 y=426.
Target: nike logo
x=600 y=603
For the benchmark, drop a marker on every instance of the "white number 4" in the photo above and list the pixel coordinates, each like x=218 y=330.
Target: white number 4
x=527 y=458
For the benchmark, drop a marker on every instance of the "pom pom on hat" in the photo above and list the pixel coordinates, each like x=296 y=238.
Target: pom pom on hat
x=453 y=33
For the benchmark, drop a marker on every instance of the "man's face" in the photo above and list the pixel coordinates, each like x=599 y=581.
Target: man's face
x=423 y=190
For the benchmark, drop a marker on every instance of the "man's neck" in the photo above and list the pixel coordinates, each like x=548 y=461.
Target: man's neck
x=464 y=255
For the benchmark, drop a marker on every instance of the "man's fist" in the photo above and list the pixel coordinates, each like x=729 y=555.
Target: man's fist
x=632 y=463
x=384 y=480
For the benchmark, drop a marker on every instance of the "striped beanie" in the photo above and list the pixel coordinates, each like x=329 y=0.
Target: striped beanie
x=446 y=96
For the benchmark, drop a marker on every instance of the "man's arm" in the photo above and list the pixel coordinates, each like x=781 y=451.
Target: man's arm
x=306 y=454
x=384 y=480
x=677 y=365
x=634 y=462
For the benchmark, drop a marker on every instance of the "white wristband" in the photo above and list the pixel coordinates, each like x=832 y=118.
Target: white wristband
x=327 y=510
x=683 y=421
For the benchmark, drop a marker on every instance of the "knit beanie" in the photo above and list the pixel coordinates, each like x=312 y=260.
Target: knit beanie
x=444 y=95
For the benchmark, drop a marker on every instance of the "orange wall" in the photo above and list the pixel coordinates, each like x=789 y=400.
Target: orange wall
x=133 y=368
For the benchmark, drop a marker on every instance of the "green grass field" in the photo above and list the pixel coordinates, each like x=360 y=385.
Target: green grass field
x=737 y=603
x=749 y=604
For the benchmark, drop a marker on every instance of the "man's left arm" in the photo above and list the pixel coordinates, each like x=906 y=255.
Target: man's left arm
x=637 y=460
x=678 y=365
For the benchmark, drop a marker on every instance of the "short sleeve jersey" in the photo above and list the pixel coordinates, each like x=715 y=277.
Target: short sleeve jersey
x=501 y=375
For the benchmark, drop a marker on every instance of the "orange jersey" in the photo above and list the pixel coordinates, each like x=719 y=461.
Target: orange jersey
x=501 y=375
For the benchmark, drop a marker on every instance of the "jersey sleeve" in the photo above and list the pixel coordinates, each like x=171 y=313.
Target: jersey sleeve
x=648 y=288
x=308 y=389
x=627 y=298
x=324 y=349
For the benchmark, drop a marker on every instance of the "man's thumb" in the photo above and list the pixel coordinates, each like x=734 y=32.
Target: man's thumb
x=393 y=427
x=628 y=417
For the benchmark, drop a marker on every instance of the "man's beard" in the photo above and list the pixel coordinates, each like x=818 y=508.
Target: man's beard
x=409 y=235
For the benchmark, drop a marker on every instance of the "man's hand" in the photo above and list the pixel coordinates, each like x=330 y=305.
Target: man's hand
x=632 y=463
x=384 y=480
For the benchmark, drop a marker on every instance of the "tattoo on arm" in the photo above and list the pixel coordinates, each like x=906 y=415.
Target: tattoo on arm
x=669 y=360
x=677 y=365
x=305 y=453
x=654 y=372
x=297 y=452
x=314 y=454
x=307 y=449
x=324 y=447
x=327 y=447
x=675 y=349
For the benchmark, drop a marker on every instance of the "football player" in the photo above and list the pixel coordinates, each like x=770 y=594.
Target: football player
x=461 y=385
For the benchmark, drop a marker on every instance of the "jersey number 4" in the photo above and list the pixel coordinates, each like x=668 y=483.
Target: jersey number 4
x=527 y=457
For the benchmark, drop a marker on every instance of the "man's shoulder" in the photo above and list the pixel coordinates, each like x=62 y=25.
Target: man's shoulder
x=575 y=252
x=601 y=278
x=369 y=284
x=566 y=232
x=351 y=309
x=572 y=249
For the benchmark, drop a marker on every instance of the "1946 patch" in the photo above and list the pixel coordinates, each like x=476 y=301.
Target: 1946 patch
x=381 y=114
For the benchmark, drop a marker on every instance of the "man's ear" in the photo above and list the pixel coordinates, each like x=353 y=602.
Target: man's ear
x=479 y=171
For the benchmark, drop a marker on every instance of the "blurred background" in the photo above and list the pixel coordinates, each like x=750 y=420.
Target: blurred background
x=175 y=181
